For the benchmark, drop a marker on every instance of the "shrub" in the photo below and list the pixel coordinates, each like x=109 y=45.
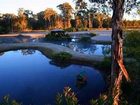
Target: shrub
x=132 y=39
x=85 y=40
x=132 y=42
x=58 y=37
x=92 y=34
x=105 y=64
x=62 y=57
x=70 y=29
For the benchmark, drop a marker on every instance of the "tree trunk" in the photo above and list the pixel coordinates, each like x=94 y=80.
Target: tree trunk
x=117 y=42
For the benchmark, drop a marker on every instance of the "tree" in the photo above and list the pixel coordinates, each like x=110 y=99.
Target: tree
x=29 y=16
x=7 y=23
x=82 y=13
x=40 y=20
x=50 y=17
x=66 y=11
x=118 y=7
x=22 y=20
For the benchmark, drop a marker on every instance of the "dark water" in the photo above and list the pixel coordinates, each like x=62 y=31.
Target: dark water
x=28 y=77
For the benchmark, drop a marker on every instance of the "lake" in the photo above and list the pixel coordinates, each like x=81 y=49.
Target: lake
x=31 y=78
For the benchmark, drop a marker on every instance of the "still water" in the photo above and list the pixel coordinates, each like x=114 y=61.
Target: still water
x=29 y=77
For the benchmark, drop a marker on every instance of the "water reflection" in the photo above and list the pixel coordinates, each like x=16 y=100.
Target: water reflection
x=27 y=51
x=1 y=53
x=33 y=80
x=88 y=48
x=106 y=50
x=59 y=64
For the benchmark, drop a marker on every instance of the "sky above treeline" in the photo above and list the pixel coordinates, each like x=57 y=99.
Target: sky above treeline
x=12 y=6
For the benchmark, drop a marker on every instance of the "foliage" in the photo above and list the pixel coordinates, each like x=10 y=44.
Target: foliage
x=93 y=34
x=102 y=100
x=132 y=42
x=50 y=17
x=66 y=11
x=7 y=101
x=62 y=57
x=85 y=40
x=70 y=29
x=67 y=98
x=105 y=64
x=57 y=37
x=132 y=50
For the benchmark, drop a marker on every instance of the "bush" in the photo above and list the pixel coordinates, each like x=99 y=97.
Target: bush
x=132 y=39
x=105 y=64
x=132 y=50
x=70 y=29
x=132 y=42
x=92 y=34
x=58 y=37
x=85 y=40
x=62 y=57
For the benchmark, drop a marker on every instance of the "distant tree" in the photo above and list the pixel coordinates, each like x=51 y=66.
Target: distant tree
x=22 y=20
x=50 y=17
x=66 y=11
x=95 y=23
x=7 y=23
x=41 y=20
x=82 y=13
x=30 y=17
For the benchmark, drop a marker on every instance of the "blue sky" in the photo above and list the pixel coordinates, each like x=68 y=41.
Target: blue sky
x=11 y=6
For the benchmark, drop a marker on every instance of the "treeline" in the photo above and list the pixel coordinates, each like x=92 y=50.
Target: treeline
x=80 y=18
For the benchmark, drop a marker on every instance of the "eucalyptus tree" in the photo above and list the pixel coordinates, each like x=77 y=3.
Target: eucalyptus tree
x=22 y=20
x=40 y=20
x=66 y=11
x=50 y=17
x=7 y=23
x=82 y=12
x=119 y=7
x=29 y=16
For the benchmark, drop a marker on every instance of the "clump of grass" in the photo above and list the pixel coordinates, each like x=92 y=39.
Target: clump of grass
x=62 y=57
x=85 y=40
x=7 y=101
x=68 y=97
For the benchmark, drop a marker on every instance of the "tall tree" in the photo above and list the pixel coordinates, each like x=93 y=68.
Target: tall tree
x=50 y=17
x=7 y=23
x=118 y=7
x=82 y=12
x=22 y=20
x=66 y=11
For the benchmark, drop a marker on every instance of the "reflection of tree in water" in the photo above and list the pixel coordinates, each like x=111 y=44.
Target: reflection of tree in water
x=27 y=51
x=2 y=53
x=59 y=64
x=85 y=48
x=106 y=50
